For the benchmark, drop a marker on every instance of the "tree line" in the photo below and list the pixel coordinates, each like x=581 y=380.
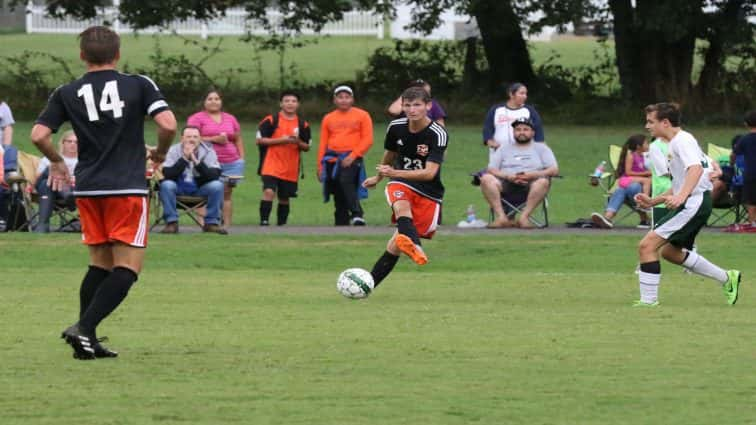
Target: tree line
x=656 y=42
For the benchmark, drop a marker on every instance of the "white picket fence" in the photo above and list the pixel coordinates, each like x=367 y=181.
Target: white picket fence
x=235 y=22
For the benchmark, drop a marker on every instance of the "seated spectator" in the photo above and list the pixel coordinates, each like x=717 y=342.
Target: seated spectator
x=69 y=150
x=746 y=147
x=618 y=198
x=436 y=112
x=631 y=167
x=191 y=168
x=282 y=138
x=520 y=173
x=3 y=207
x=633 y=178
x=6 y=124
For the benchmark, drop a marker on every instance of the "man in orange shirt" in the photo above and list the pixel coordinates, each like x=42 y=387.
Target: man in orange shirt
x=346 y=135
x=283 y=138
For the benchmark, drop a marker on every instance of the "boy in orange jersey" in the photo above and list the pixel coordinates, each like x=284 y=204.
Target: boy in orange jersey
x=284 y=137
x=346 y=135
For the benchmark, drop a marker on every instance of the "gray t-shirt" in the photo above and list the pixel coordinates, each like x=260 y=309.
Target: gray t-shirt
x=6 y=118
x=515 y=158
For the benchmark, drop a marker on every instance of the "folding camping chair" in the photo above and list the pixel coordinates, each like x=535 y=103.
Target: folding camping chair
x=191 y=206
x=514 y=205
x=608 y=183
x=731 y=205
x=63 y=217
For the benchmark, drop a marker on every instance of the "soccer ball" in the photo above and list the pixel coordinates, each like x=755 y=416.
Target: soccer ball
x=355 y=283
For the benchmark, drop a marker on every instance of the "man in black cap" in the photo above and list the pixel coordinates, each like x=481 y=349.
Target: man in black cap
x=520 y=173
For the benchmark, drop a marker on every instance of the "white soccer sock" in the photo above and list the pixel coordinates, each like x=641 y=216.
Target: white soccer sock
x=649 y=286
x=701 y=266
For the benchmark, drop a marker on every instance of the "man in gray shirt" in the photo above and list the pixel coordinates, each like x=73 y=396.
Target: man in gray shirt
x=191 y=168
x=6 y=124
x=520 y=173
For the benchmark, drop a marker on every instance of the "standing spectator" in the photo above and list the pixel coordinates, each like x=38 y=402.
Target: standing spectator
x=519 y=172
x=497 y=128
x=223 y=131
x=746 y=146
x=106 y=109
x=69 y=150
x=436 y=112
x=346 y=135
x=6 y=124
x=191 y=168
x=283 y=137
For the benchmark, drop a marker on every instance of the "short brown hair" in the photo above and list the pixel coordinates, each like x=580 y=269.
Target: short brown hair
x=666 y=111
x=190 y=127
x=99 y=45
x=416 y=93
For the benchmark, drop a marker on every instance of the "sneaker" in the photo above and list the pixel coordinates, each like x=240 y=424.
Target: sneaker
x=80 y=342
x=639 y=303
x=358 y=221
x=170 y=228
x=100 y=351
x=601 y=222
x=264 y=223
x=643 y=225
x=413 y=251
x=214 y=228
x=731 y=286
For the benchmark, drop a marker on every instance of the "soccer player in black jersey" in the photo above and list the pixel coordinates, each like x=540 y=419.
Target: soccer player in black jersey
x=106 y=109
x=414 y=151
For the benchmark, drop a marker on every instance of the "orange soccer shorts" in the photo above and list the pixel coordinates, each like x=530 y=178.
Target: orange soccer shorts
x=425 y=211
x=114 y=219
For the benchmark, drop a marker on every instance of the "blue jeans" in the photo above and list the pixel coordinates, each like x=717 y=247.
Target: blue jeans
x=213 y=191
x=620 y=194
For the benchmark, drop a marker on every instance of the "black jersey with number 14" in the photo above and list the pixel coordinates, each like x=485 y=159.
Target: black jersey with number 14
x=415 y=150
x=106 y=110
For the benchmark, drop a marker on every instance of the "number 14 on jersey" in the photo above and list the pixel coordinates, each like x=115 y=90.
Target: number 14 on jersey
x=110 y=100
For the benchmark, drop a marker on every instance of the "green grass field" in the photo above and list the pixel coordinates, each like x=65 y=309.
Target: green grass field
x=577 y=149
x=497 y=329
x=330 y=59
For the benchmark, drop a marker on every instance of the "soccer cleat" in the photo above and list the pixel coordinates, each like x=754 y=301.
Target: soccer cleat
x=80 y=342
x=413 y=251
x=101 y=352
x=731 y=286
x=639 y=303
x=601 y=222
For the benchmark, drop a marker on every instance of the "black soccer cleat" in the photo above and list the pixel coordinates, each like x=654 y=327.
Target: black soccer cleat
x=102 y=352
x=81 y=343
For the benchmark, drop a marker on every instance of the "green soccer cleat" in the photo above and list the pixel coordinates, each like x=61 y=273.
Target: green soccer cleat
x=731 y=286
x=639 y=303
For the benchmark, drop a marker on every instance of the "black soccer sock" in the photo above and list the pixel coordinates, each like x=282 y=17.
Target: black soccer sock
x=265 y=208
x=283 y=213
x=383 y=267
x=112 y=292
x=651 y=267
x=405 y=227
x=92 y=280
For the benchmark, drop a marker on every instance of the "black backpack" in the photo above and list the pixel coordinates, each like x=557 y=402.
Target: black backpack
x=264 y=149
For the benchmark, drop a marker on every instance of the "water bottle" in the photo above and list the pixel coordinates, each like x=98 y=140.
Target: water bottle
x=471 y=214
x=599 y=169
